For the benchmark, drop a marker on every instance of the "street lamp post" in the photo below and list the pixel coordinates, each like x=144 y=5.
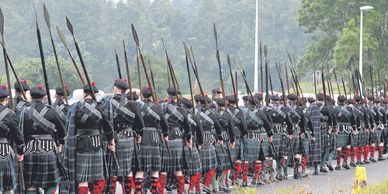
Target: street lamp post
x=362 y=9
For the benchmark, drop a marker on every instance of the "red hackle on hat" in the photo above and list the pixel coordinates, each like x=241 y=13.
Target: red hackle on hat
x=4 y=86
x=25 y=81
x=40 y=86
x=66 y=86
x=93 y=83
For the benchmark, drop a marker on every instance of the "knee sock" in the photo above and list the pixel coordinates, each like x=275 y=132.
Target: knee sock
x=245 y=173
x=304 y=163
x=380 y=152
x=128 y=185
x=372 y=152
x=209 y=177
x=162 y=183
x=223 y=177
x=339 y=153
x=284 y=166
x=98 y=186
x=139 y=186
x=214 y=182
x=197 y=183
x=154 y=181
x=226 y=177
x=353 y=154
x=366 y=152
x=181 y=184
x=359 y=153
x=237 y=170
x=346 y=155
x=258 y=168
x=192 y=182
x=113 y=185
x=51 y=190
x=81 y=190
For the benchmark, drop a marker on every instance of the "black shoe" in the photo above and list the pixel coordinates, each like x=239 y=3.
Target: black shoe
x=373 y=160
x=338 y=167
x=362 y=163
x=346 y=166
x=206 y=190
x=224 y=189
x=296 y=176
x=381 y=159
x=366 y=161
x=315 y=173
x=352 y=164
x=358 y=163
x=330 y=167
x=323 y=170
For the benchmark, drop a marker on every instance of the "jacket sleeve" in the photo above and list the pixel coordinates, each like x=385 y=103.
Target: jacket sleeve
x=15 y=132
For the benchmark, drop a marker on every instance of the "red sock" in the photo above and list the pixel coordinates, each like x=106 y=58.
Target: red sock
x=209 y=176
x=154 y=184
x=113 y=185
x=372 y=151
x=181 y=184
x=245 y=173
x=339 y=153
x=128 y=185
x=237 y=170
x=359 y=153
x=366 y=151
x=162 y=183
x=353 y=154
x=193 y=180
x=197 y=182
x=83 y=190
x=380 y=152
x=139 y=186
x=346 y=155
x=304 y=163
x=226 y=172
x=98 y=186
x=258 y=168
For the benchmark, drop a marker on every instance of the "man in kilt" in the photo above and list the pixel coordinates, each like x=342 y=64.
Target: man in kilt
x=385 y=134
x=9 y=133
x=224 y=147
x=21 y=101
x=209 y=122
x=346 y=125
x=354 y=137
x=307 y=141
x=179 y=134
x=256 y=142
x=149 y=154
x=326 y=127
x=128 y=125
x=84 y=155
x=44 y=135
x=240 y=130
x=193 y=167
x=282 y=136
x=59 y=105
x=363 y=124
x=377 y=134
x=297 y=119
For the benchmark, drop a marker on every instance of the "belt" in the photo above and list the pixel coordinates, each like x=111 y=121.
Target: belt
x=88 y=132
x=255 y=135
x=42 y=137
x=150 y=129
x=120 y=127
x=278 y=128
x=127 y=132
x=3 y=140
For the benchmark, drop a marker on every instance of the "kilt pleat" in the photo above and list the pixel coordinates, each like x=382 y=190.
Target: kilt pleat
x=379 y=134
x=124 y=154
x=172 y=163
x=279 y=143
x=193 y=161
x=40 y=170
x=208 y=157
x=325 y=139
x=7 y=180
x=90 y=166
x=150 y=155
x=252 y=150
x=361 y=138
x=306 y=145
x=343 y=139
x=237 y=152
x=222 y=156
x=296 y=145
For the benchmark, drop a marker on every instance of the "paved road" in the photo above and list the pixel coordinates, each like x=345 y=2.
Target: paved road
x=336 y=182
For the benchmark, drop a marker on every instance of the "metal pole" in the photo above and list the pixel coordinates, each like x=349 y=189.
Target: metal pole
x=360 y=57
x=256 y=69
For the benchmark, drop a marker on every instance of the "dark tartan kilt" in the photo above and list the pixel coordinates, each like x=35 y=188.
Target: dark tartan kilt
x=354 y=139
x=90 y=166
x=124 y=154
x=379 y=134
x=297 y=146
x=193 y=161
x=332 y=142
x=172 y=163
x=316 y=150
x=305 y=145
x=149 y=155
x=361 y=138
x=385 y=135
x=252 y=150
x=373 y=137
x=222 y=156
x=40 y=170
x=366 y=138
x=325 y=139
x=7 y=179
x=279 y=144
x=208 y=157
x=237 y=152
x=343 y=139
